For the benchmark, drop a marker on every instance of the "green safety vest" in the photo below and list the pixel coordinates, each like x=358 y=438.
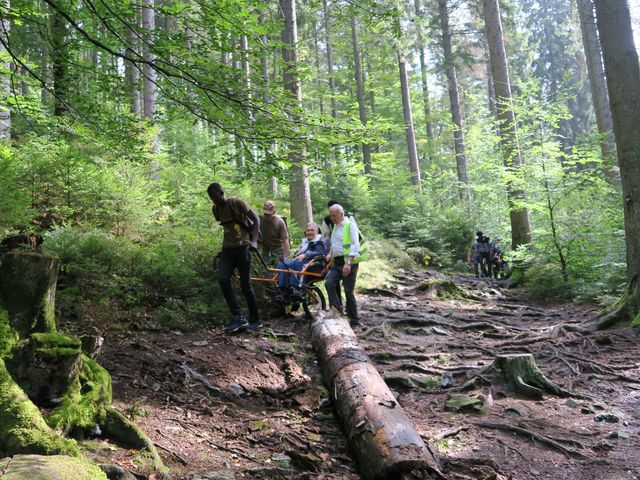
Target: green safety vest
x=346 y=244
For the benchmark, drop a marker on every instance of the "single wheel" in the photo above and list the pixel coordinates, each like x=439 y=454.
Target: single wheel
x=313 y=299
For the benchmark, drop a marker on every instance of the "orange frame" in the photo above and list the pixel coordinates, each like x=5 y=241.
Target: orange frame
x=274 y=279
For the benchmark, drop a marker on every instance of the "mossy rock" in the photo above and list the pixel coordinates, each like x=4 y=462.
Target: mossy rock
x=442 y=288
x=85 y=404
x=46 y=365
x=8 y=336
x=22 y=427
x=53 y=467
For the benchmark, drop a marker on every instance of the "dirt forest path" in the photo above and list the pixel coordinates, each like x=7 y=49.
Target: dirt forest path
x=253 y=405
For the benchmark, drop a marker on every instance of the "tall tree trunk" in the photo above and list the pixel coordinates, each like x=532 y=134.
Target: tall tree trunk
x=264 y=65
x=5 y=83
x=623 y=79
x=238 y=63
x=454 y=99
x=150 y=76
x=150 y=80
x=520 y=222
x=132 y=73
x=423 y=76
x=362 y=106
x=329 y=47
x=599 y=94
x=59 y=62
x=300 y=195
x=414 y=166
x=491 y=96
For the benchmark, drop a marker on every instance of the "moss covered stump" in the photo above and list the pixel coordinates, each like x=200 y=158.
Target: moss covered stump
x=524 y=376
x=28 y=288
x=441 y=288
x=49 y=388
x=22 y=426
x=46 y=365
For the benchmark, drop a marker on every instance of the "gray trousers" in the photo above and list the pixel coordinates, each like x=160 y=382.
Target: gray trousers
x=331 y=281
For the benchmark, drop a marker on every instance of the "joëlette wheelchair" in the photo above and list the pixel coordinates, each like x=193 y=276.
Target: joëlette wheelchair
x=311 y=298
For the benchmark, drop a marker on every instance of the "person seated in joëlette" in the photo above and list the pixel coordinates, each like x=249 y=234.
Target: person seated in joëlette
x=313 y=245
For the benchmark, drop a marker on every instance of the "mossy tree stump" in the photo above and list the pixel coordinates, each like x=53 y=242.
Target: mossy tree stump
x=524 y=376
x=42 y=368
x=441 y=288
x=28 y=288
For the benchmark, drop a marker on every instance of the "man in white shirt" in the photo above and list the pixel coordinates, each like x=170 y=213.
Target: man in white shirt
x=345 y=245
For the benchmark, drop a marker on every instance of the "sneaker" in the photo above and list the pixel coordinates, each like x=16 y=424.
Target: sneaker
x=239 y=322
x=255 y=325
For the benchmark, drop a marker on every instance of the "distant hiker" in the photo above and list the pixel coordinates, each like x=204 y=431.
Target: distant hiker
x=241 y=227
x=346 y=251
x=496 y=257
x=313 y=245
x=484 y=248
x=275 y=235
x=474 y=253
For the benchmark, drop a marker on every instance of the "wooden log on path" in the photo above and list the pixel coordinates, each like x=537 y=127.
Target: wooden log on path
x=381 y=435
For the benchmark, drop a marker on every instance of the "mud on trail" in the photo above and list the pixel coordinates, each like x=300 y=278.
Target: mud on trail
x=253 y=405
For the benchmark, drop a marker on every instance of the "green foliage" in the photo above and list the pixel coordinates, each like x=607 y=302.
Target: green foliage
x=172 y=273
x=14 y=202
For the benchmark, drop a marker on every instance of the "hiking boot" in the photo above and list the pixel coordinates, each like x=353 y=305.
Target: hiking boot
x=255 y=325
x=354 y=322
x=239 y=322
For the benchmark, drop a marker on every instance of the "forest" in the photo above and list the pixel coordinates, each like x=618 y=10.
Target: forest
x=427 y=120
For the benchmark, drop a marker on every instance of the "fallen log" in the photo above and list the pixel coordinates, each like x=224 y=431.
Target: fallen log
x=381 y=435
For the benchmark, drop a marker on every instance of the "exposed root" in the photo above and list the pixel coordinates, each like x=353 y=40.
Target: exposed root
x=555 y=445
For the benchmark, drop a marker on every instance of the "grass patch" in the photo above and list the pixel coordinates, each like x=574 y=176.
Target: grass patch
x=385 y=258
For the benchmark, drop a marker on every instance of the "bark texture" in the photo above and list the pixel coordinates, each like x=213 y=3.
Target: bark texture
x=454 y=99
x=362 y=105
x=597 y=82
x=623 y=80
x=414 y=165
x=329 y=49
x=380 y=433
x=423 y=77
x=59 y=62
x=150 y=88
x=519 y=215
x=299 y=188
x=132 y=73
x=5 y=82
